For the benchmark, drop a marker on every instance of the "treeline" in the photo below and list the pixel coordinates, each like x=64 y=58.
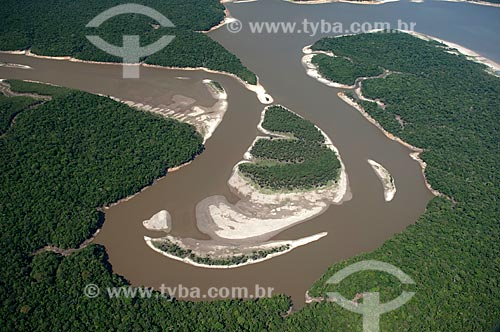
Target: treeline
x=281 y=120
x=342 y=70
x=9 y=108
x=176 y=250
x=302 y=162
x=451 y=108
x=36 y=88
x=58 y=28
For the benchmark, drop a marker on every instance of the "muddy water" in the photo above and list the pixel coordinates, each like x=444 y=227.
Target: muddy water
x=359 y=225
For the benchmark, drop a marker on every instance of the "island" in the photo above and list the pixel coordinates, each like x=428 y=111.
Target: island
x=386 y=179
x=287 y=177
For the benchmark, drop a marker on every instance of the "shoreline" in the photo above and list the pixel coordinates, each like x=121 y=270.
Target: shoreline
x=258 y=89
x=292 y=243
x=225 y=221
x=468 y=53
x=415 y=155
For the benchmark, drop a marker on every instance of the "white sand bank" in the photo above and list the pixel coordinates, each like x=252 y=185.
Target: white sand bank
x=386 y=179
x=470 y=54
x=161 y=221
x=263 y=213
x=291 y=243
x=313 y=71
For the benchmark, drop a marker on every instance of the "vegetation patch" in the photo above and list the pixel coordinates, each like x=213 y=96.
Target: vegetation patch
x=174 y=249
x=301 y=162
x=342 y=70
x=451 y=108
x=29 y=24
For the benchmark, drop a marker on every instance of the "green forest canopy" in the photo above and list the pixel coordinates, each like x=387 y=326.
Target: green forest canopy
x=452 y=252
x=30 y=24
x=451 y=108
x=302 y=162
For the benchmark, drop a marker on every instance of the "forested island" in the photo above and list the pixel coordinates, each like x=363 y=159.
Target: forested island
x=450 y=108
x=287 y=177
x=29 y=25
x=301 y=161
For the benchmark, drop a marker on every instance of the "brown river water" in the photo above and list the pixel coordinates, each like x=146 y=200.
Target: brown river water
x=359 y=225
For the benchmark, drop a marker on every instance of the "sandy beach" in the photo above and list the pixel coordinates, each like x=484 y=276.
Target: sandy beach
x=414 y=155
x=385 y=178
x=260 y=213
x=470 y=54
x=291 y=243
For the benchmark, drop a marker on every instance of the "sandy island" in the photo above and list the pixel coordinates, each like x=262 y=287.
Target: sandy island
x=386 y=179
x=229 y=251
x=244 y=227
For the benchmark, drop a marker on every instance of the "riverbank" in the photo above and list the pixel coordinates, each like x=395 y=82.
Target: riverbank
x=258 y=89
x=415 y=155
x=476 y=2
x=470 y=54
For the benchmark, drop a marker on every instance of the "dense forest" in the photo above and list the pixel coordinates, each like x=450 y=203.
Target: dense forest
x=29 y=24
x=343 y=70
x=301 y=162
x=451 y=108
x=9 y=108
x=78 y=151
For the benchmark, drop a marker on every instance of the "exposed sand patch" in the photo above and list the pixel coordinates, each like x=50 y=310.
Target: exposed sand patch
x=204 y=119
x=240 y=228
x=220 y=252
x=14 y=65
x=161 y=221
x=386 y=179
x=262 y=213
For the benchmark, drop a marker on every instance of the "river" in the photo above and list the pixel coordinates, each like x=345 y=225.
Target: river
x=359 y=225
